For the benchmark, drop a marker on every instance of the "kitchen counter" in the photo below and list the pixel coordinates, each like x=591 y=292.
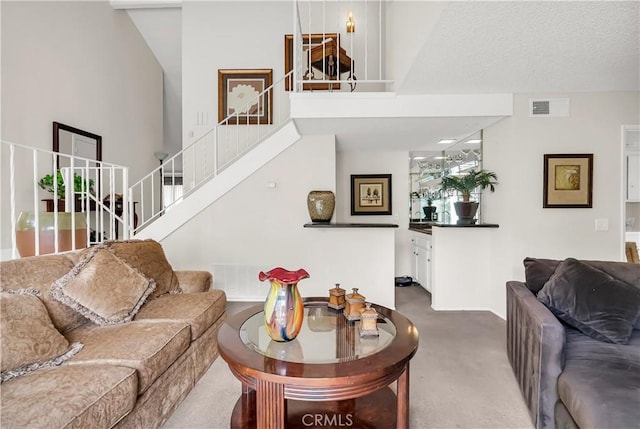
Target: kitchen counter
x=425 y=227
x=349 y=225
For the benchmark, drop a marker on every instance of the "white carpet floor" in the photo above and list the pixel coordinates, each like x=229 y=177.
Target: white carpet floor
x=460 y=377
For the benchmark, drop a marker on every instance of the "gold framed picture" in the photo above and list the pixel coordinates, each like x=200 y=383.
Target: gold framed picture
x=370 y=194
x=568 y=181
x=239 y=97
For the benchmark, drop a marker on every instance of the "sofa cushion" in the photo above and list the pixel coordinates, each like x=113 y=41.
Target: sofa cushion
x=148 y=346
x=28 y=339
x=592 y=301
x=600 y=383
x=39 y=272
x=148 y=257
x=103 y=288
x=199 y=310
x=69 y=396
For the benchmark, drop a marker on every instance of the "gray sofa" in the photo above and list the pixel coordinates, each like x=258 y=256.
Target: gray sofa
x=575 y=349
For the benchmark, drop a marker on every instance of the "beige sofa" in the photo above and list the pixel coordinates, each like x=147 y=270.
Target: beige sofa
x=118 y=373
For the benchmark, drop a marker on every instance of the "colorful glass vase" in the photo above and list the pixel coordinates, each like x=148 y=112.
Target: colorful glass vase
x=283 y=308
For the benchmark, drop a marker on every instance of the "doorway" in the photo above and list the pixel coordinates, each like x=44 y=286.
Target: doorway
x=630 y=188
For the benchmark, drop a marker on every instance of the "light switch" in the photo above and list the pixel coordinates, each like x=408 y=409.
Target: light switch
x=271 y=185
x=602 y=224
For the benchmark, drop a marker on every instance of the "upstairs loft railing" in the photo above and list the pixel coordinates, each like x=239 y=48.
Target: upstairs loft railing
x=212 y=152
x=78 y=185
x=338 y=45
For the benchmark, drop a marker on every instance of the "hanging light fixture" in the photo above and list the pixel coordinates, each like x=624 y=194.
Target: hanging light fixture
x=351 y=24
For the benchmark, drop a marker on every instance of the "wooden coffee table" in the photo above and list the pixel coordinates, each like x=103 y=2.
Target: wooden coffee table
x=327 y=377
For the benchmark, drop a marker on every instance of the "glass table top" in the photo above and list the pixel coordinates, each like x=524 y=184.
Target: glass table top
x=326 y=337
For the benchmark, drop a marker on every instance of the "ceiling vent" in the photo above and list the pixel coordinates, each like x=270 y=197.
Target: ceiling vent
x=549 y=107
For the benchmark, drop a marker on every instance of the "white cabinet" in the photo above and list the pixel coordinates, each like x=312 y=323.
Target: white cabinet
x=633 y=177
x=421 y=260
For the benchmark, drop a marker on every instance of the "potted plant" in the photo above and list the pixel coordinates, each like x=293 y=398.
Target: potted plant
x=465 y=184
x=429 y=210
x=79 y=186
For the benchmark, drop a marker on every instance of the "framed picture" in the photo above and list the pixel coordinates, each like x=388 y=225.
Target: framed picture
x=308 y=41
x=371 y=194
x=568 y=180
x=239 y=92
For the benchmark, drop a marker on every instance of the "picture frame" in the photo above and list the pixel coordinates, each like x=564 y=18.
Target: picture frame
x=237 y=87
x=308 y=41
x=568 y=181
x=371 y=194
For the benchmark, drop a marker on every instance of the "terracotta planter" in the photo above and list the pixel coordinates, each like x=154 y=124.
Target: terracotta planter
x=89 y=205
x=26 y=233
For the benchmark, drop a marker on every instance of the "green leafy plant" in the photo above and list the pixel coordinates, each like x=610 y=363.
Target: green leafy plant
x=468 y=182
x=79 y=185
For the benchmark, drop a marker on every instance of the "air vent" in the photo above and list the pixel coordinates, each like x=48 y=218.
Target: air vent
x=550 y=107
x=540 y=107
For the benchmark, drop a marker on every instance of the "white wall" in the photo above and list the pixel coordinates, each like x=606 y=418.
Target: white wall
x=83 y=64
x=383 y=162
x=162 y=30
x=514 y=149
x=408 y=26
x=254 y=227
x=250 y=35
x=226 y=35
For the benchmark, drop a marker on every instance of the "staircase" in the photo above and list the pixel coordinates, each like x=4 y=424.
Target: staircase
x=208 y=191
x=229 y=153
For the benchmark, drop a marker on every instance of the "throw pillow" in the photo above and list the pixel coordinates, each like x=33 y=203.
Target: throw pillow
x=148 y=257
x=538 y=271
x=29 y=340
x=103 y=288
x=592 y=301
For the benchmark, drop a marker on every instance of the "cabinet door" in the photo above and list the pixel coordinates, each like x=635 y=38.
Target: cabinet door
x=633 y=177
x=414 y=262
x=426 y=268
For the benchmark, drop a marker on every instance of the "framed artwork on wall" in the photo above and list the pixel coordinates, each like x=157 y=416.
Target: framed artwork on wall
x=239 y=95
x=370 y=194
x=568 y=181
x=308 y=41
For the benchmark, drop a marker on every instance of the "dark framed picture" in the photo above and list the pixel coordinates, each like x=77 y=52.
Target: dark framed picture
x=371 y=194
x=308 y=41
x=239 y=95
x=568 y=181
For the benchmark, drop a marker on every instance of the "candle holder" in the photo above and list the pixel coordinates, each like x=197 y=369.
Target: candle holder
x=336 y=297
x=368 y=321
x=354 y=303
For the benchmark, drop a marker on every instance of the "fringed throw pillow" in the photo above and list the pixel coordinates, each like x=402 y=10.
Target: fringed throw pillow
x=29 y=341
x=104 y=288
x=149 y=258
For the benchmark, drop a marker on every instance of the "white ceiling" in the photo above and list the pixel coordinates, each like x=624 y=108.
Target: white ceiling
x=530 y=46
x=494 y=47
x=405 y=134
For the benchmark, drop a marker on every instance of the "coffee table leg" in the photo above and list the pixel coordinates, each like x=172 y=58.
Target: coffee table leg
x=271 y=406
x=403 y=399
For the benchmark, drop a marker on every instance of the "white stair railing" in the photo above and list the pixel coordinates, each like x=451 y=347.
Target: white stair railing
x=77 y=185
x=335 y=55
x=211 y=153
